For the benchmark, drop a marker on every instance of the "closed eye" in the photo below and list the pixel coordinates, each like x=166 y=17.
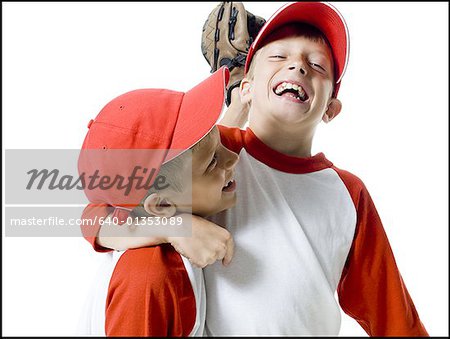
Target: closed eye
x=318 y=66
x=213 y=163
x=277 y=57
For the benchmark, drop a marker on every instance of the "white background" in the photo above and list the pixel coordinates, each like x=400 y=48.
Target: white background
x=63 y=61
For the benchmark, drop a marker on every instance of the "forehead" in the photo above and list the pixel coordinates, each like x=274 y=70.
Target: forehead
x=296 y=36
x=285 y=36
x=300 y=43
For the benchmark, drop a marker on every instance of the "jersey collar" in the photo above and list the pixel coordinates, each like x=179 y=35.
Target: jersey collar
x=282 y=162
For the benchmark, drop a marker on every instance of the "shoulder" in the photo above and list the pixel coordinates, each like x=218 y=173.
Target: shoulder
x=361 y=197
x=232 y=138
x=355 y=186
x=350 y=180
x=149 y=267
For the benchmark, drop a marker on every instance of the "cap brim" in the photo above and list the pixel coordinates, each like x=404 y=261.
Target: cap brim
x=321 y=15
x=200 y=110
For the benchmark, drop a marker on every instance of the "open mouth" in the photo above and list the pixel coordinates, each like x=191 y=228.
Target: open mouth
x=292 y=90
x=230 y=186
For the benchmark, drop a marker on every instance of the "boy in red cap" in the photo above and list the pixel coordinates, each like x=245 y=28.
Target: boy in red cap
x=153 y=291
x=307 y=229
x=304 y=229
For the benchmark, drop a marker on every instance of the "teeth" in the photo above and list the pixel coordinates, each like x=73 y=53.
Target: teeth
x=229 y=183
x=287 y=85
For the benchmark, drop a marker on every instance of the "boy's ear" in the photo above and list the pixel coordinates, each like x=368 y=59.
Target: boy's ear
x=245 y=91
x=334 y=108
x=159 y=206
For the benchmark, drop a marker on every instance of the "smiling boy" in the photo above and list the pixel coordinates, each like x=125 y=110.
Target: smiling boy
x=154 y=291
x=305 y=229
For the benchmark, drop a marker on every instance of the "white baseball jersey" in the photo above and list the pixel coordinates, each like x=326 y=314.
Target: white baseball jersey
x=303 y=230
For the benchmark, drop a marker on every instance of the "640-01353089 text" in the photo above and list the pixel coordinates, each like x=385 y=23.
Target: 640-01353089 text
x=136 y=221
x=143 y=221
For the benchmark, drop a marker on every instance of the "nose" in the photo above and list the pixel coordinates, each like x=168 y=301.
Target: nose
x=298 y=66
x=229 y=158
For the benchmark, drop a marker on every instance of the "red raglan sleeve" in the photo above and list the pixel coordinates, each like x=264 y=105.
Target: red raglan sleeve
x=150 y=295
x=371 y=289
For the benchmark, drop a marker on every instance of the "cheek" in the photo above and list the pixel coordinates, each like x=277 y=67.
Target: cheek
x=207 y=188
x=262 y=77
x=326 y=85
x=259 y=90
x=263 y=80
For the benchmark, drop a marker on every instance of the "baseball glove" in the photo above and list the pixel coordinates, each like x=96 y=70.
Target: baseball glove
x=227 y=35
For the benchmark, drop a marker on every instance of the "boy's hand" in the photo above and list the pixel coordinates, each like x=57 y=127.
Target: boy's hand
x=208 y=243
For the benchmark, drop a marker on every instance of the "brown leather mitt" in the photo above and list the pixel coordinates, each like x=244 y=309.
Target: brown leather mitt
x=227 y=35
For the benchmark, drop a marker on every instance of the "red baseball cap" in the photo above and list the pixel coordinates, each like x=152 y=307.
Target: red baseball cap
x=157 y=125
x=321 y=15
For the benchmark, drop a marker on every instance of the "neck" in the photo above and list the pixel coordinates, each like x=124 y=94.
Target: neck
x=292 y=141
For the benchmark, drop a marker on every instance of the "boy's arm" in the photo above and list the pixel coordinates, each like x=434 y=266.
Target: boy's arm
x=208 y=242
x=236 y=114
x=371 y=289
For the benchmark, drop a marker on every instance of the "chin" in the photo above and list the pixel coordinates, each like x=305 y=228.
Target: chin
x=231 y=201
x=288 y=116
